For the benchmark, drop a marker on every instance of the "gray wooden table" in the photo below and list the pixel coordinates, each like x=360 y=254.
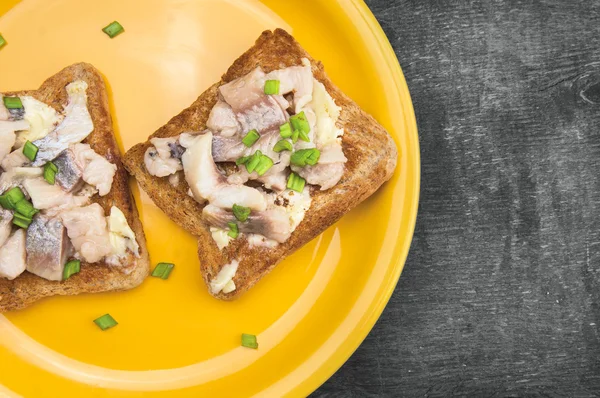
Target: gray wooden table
x=500 y=295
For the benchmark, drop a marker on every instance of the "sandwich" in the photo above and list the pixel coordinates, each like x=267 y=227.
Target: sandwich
x=262 y=162
x=68 y=221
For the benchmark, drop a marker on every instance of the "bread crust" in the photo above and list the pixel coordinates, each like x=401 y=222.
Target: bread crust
x=371 y=153
x=98 y=277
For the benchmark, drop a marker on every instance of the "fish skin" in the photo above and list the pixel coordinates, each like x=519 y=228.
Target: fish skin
x=70 y=172
x=48 y=247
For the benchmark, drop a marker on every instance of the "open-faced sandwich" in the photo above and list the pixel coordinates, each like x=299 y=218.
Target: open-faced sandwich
x=262 y=162
x=68 y=222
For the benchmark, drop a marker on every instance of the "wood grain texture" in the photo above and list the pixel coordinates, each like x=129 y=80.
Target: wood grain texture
x=500 y=296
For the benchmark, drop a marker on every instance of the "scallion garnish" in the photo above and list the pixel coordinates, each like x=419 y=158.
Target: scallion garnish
x=295 y=136
x=241 y=213
x=10 y=199
x=305 y=157
x=106 y=322
x=249 y=341
x=50 y=171
x=272 y=87
x=2 y=41
x=234 y=231
x=253 y=161
x=295 y=182
x=113 y=29
x=163 y=270
x=71 y=268
x=264 y=164
x=21 y=221
x=30 y=150
x=303 y=136
x=300 y=123
x=242 y=160
x=285 y=130
x=283 y=145
x=251 y=138
x=25 y=208
x=13 y=103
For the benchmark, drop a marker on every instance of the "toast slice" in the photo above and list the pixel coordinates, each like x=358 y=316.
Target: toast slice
x=371 y=153
x=98 y=277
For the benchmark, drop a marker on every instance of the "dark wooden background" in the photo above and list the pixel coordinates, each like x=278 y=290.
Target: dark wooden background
x=500 y=296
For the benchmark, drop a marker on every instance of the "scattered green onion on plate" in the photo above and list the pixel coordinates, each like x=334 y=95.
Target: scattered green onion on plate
x=113 y=29
x=106 y=322
x=163 y=270
x=249 y=341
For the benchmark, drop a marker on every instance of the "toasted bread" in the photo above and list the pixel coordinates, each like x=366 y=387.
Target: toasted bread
x=370 y=150
x=98 y=277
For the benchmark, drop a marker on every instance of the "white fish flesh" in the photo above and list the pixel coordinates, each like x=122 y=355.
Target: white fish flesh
x=8 y=135
x=273 y=223
x=297 y=80
x=325 y=175
x=97 y=171
x=51 y=197
x=275 y=178
x=5 y=225
x=13 y=256
x=70 y=172
x=74 y=128
x=4 y=115
x=14 y=159
x=88 y=231
x=48 y=247
x=164 y=157
x=222 y=120
x=15 y=177
x=207 y=183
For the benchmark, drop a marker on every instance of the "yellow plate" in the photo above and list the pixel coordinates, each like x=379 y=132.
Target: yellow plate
x=173 y=339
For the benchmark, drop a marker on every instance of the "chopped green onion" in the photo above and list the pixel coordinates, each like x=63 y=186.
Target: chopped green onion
x=2 y=41
x=285 y=130
x=234 y=231
x=21 y=221
x=106 y=322
x=253 y=161
x=251 y=138
x=272 y=87
x=10 y=199
x=30 y=151
x=264 y=164
x=283 y=145
x=113 y=29
x=296 y=183
x=305 y=157
x=71 y=268
x=50 y=171
x=303 y=136
x=249 y=341
x=242 y=160
x=240 y=212
x=295 y=136
x=300 y=123
x=25 y=208
x=163 y=270
x=13 y=103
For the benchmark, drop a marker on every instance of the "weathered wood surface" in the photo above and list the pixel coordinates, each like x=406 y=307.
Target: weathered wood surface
x=501 y=292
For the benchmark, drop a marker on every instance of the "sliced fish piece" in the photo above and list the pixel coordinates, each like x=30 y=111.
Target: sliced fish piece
x=222 y=120
x=297 y=80
x=70 y=172
x=97 y=171
x=74 y=128
x=5 y=225
x=48 y=247
x=4 y=115
x=273 y=223
x=88 y=231
x=252 y=107
x=226 y=149
x=14 y=159
x=205 y=181
x=325 y=175
x=8 y=135
x=15 y=177
x=275 y=178
x=164 y=157
x=45 y=196
x=13 y=256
